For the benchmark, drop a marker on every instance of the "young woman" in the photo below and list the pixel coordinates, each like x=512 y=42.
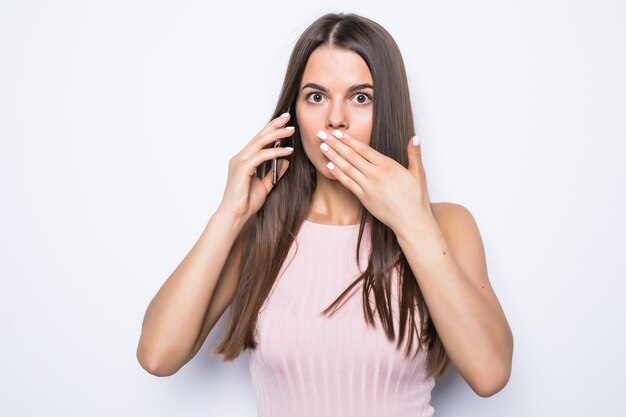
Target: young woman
x=351 y=289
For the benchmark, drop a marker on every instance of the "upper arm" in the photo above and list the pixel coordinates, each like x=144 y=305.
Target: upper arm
x=463 y=238
x=464 y=241
x=222 y=295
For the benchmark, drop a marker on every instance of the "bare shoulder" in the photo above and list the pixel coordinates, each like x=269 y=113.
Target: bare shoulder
x=451 y=214
x=465 y=242
x=459 y=227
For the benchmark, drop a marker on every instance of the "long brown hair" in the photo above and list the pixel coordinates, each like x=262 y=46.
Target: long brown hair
x=270 y=233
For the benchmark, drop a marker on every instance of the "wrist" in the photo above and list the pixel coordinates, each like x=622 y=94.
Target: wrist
x=421 y=226
x=228 y=218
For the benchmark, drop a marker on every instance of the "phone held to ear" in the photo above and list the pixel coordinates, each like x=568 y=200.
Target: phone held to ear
x=274 y=162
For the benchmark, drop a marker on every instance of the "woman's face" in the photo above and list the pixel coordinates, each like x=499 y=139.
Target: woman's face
x=336 y=92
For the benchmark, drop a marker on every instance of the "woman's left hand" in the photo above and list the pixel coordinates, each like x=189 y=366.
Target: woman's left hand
x=390 y=192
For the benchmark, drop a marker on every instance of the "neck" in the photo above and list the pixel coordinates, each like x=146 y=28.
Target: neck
x=333 y=203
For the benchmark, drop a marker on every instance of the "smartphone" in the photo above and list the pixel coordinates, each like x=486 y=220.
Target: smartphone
x=277 y=144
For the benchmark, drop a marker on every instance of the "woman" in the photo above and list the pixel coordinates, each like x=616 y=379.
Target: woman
x=351 y=184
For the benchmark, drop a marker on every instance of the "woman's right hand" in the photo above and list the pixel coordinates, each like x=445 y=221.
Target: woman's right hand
x=245 y=193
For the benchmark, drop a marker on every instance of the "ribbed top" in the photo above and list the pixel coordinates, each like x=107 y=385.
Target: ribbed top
x=309 y=364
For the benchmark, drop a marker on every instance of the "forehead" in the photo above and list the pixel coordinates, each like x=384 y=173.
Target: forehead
x=336 y=68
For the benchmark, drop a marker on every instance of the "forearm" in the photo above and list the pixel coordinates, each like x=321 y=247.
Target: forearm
x=473 y=330
x=175 y=315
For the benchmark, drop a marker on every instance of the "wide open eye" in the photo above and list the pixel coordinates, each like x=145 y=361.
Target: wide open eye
x=363 y=98
x=315 y=96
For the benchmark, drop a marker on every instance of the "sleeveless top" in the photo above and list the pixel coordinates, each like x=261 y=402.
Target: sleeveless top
x=310 y=364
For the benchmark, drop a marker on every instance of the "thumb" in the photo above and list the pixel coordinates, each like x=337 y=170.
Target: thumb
x=415 y=155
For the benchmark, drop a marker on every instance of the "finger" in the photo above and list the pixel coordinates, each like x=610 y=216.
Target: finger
x=414 y=151
x=266 y=139
x=368 y=153
x=275 y=123
x=346 y=167
x=250 y=165
x=347 y=182
x=348 y=155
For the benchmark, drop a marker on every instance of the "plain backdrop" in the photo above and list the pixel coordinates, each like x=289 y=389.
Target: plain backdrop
x=117 y=121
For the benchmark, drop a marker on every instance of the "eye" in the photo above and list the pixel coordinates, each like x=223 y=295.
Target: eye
x=363 y=98
x=360 y=100
x=315 y=96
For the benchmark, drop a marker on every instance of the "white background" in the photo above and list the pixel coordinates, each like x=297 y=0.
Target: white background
x=117 y=121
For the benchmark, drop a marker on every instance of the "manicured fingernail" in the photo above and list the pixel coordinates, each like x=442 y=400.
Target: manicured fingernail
x=337 y=134
x=330 y=166
x=322 y=135
x=324 y=147
x=290 y=127
x=416 y=140
x=284 y=115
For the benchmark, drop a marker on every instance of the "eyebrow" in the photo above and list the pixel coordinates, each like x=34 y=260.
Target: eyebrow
x=325 y=90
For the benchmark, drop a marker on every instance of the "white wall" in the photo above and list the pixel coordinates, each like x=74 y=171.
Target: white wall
x=117 y=121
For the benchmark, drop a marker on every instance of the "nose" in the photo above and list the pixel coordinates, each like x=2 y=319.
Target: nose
x=337 y=117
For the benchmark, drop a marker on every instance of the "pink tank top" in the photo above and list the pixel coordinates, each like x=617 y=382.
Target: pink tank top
x=308 y=364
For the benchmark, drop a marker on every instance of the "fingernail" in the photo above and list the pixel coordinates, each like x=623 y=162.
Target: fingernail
x=324 y=147
x=416 y=140
x=284 y=115
x=330 y=166
x=337 y=134
x=289 y=127
x=322 y=135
